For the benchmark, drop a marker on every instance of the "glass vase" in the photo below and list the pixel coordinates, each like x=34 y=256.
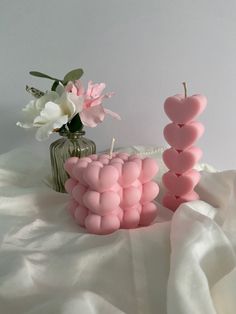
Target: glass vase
x=69 y=145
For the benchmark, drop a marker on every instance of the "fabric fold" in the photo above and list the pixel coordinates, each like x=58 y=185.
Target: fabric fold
x=183 y=263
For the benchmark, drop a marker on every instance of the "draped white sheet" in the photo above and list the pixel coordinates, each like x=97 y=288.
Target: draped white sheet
x=180 y=264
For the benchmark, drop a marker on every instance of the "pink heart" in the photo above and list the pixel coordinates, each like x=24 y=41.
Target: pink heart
x=123 y=156
x=148 y=214
x=70 y=184
x=102 y=225
x=80 y=214
x=69 y=164
x=104 y=159
x=103 y=156
x=130 y=172
x=181 y=161
x=78 y=192
x=172 y=202
x=116 y=160
x=150 y=191
x=180 y=184
x=183 y=136
x=78 y=170
x=101 y=203
x=131 y=196
x=93 y=157
x=149 y=169
x=71 y=206
x=182 y=110
x=100 y=178
x=137 y=160
x=131 y=217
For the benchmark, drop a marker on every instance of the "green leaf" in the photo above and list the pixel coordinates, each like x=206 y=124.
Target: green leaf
x=75 y=124
x=73 y=76
x=39 y=74
x=54 y=86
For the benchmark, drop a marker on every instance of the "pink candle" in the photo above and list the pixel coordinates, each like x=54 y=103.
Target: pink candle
x=111 y=192
x=180 y=159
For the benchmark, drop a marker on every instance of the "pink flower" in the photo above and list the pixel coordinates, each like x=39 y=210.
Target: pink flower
x=91 y=112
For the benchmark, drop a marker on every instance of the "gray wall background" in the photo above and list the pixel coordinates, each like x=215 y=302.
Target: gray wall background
x=142 y=49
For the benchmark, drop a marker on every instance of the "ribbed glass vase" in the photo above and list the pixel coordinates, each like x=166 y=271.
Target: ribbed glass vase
x=69 y=145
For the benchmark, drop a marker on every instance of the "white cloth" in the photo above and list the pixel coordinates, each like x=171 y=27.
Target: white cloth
x=179 y=265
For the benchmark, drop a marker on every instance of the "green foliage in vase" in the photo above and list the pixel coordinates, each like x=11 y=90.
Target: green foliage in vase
x=72 y=75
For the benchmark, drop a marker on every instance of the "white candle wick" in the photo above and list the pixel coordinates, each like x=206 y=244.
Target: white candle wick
x=185 y=89
x=112 y=147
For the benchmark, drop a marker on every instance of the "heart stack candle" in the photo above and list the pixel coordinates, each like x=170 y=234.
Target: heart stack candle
x=180 y=159
x=113 y=191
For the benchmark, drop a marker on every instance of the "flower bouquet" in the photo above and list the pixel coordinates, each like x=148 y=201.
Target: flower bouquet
x=66 y=109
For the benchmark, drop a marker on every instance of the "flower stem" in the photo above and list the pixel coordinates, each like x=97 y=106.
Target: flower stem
x=75 y=124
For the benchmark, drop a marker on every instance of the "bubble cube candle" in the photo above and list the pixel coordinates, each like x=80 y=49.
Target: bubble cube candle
x=180 y=159
x=109 y=193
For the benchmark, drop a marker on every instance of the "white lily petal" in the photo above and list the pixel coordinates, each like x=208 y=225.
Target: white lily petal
x=34 y=108
x=77 y=101
x=51 y=111
x=44 y=131
x=60 y=122
x=29 y=113
x=60 y=89
x=67 y=105
x=47 y=113
x=49 y=96
x=25 y=125
x=31 y=108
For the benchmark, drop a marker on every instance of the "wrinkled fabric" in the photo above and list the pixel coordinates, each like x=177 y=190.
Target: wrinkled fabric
x=183 y=263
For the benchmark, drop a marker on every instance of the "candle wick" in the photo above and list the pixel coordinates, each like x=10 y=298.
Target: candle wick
x=185 y=89
x=112 y=147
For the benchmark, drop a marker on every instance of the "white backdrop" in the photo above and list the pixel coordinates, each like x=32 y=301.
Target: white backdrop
x=142 y=49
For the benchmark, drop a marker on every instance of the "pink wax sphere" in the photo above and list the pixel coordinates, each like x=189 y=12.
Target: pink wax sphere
x=111 y=193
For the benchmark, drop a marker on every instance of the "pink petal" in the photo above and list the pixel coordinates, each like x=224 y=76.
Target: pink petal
x=108 y=95
x=97 y=90
x=69 y=87
x=80 y=88
x=90 y=102
x=89 y=89
x=74 y=90
x=92 y=116
x=112 y=114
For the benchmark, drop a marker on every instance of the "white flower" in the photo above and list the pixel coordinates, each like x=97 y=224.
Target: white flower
x=48 y=113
